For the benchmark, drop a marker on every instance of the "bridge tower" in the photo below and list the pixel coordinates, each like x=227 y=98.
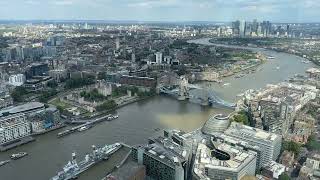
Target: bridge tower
x=183 y=89
x=204 y=97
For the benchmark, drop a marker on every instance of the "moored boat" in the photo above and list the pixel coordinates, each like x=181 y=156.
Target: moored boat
x=2 y=163
x=74 y=168
x=110 y=118
x=18 y=155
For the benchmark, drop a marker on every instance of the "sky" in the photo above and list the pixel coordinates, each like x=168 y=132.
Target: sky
x=162 y=10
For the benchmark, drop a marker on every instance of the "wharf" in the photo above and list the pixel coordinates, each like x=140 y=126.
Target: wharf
x=49 y=130
x=83 y=124
x=105 y=167
x=16 y=143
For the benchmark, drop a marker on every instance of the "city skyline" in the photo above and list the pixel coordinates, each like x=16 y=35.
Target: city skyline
x=161 y=10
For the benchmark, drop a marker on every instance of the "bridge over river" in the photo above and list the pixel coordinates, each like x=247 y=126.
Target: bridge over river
x=195 y=93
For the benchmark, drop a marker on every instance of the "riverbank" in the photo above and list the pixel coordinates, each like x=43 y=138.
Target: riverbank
x=138 y=121
x=16 y=143
x=281 y=50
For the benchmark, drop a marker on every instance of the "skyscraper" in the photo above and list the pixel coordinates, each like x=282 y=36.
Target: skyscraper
x=117 y=43
x=236 y=27
x=159 y=57
x=133 y=57
x=242 y=28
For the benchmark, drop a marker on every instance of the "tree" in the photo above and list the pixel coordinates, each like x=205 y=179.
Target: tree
x=17 y=94
x=242 y=118
x=101 y=75
x=79 y=82
x=45 y=96
x=284 y=176
x=93 y=95
x=312 y=143
x=111 y=104
x=52 y=84
x=292 y=147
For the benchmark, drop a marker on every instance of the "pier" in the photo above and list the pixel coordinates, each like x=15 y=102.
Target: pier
x=85 y=123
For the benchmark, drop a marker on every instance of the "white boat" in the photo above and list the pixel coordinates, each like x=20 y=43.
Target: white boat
x=84 y=128
x=2 y=163
x=278 y=68
x=226 y=84
x=113 y=117
x=18 y=155
x=271 y=57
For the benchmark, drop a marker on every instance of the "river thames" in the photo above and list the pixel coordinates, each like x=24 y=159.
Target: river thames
x=137 y=122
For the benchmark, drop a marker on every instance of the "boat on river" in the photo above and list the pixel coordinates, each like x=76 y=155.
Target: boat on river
x=2 y=163
x=18 y=155
x=84 y=128
x=112 y=117
x=73 y=168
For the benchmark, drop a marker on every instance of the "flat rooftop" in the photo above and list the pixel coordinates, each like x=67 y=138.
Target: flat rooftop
x=236 y=129
x=166 y=151
x=238 y=158
x=127 y=170
x=22 y=108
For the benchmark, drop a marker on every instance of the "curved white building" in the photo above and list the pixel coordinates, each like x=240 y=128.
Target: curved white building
x=217 y=123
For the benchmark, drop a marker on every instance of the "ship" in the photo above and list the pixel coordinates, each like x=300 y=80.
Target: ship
x=84 y=128
x=73 y=168
x=18 y=155
x=110 y=118
x=2 y=163
x=271 y=57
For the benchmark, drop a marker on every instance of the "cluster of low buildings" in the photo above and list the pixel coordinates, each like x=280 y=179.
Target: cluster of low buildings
x=24 y=120
x=230 y=151
x=275 y=108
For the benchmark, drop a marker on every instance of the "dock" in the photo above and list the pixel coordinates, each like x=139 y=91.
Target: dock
x=106 y=167
x=85 y=123
x=16 y=143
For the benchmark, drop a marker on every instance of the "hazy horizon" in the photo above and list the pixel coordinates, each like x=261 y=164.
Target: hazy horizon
x=162 y=10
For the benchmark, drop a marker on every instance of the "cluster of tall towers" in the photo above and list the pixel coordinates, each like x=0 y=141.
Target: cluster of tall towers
x=254 y=28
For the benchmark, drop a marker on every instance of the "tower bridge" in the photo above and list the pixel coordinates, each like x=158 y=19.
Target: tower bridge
x=182 y=90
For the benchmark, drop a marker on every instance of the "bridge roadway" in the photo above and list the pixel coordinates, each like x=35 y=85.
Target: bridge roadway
x=210 y=95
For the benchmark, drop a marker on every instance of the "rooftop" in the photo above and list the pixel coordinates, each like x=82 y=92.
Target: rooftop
x=313 y=70
x=127 y=170
x=206 y=158
x=237 y=129
x=22 y=108
x=167 y=151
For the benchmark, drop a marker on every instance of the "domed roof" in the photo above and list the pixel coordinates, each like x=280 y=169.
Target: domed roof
x=216 y=124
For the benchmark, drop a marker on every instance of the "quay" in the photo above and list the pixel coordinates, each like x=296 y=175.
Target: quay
x=16 y=143
x=104 y=168
x=85 y=123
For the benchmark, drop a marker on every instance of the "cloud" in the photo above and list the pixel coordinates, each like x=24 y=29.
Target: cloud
x=174 y=10
x=63 y=2
x=32 y=2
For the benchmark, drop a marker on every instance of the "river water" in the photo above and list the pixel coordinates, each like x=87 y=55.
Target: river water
x=137 y=122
